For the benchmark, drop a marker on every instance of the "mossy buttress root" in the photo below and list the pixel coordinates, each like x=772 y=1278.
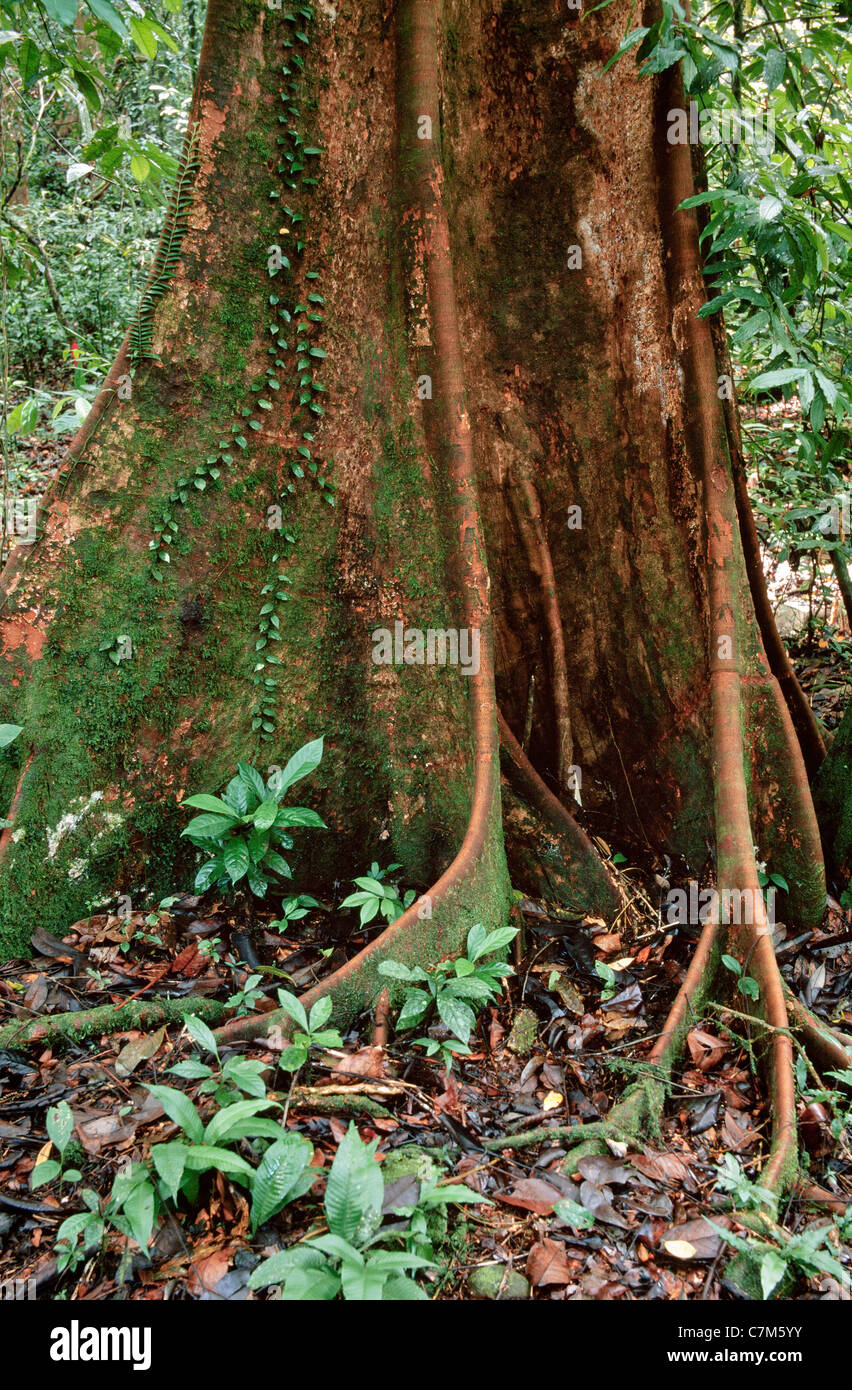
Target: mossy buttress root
x=636 y=1116
x=107 y=1018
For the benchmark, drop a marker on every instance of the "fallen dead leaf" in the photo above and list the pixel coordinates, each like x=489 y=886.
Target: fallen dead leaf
x=666 y=1168
x=138 y=1051
x=367 y=1061
x=698 y=1235
x=547 y=1264
x=531 y=1194
x=705 y=1049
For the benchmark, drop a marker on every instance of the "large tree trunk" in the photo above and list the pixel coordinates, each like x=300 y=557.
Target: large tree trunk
x=523 y=436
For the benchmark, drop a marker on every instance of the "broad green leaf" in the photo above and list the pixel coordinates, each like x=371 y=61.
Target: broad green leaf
x=24 y=418
x=106 y=12
x=772 y=1271
x=320 y=1013
x=8 y=734
x=213 y=869
x=28 y=62
x=276 y=1269
x=139 y=1210
x=769 y=208
x=354 y=1190
x=236 y=860
x=458 y=1017
x=60 y=1125
x=470 y=988
x=191 y=1069
x=197 y=1029
x=281 y=1166
x=179 y=1108
x=245 y=1074
x=782 y=377
x=310 y=1286
x=203 y=802
x=63 y=11
x=208 y=827
x=224 y=1121
x=264 y=816
x=170 y=1162
x=276 y=864
x=415 y=1005
x=395 y=970
x=201 y=1157
x=239 y=795
x=44 y=1172
x=774 y=67
x=302 y=762
x=363 y=1283
x=294 y=1008
x=143 y=36
x=490 y=942
x=252 y=779
x=299 y=815
x=399 y=1288
x=574 y=1214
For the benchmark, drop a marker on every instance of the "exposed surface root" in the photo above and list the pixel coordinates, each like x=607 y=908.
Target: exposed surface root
x=107 y=1018
x=530 y=521
x=827 y=1049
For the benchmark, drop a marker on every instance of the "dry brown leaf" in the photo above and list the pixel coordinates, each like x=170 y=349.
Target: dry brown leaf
x=666 y=1168
x=139 y=1050
x=531 y=1194
x=367 y=1061
x=547 y=1264
x=698 y=1235
x=705 y=1049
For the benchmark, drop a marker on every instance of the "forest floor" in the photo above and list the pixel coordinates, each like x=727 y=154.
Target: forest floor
x=554 y=1052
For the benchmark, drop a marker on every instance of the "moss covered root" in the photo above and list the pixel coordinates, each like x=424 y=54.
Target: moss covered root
x=108 y=1018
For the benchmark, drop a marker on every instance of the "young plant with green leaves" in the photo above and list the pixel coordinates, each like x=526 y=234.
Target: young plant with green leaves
x=229 y=1080
x=746 y=984
x=292 y=910
x=454 y=989
x=807 y=1254
x=745 y=1195
x=245 y=829
x=376 y=897
x=352 y=1260
x=60 y=1131
x=310 y=1030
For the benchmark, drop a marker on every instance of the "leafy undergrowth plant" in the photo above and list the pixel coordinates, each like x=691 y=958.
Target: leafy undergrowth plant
x=375 y=896
x=808 y=1253
x=243 y=830
x=352 y=1259
x=310 y=1030
x=292 y=909
x=745 y=1195
x=452 y=989
x=172 y=1174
